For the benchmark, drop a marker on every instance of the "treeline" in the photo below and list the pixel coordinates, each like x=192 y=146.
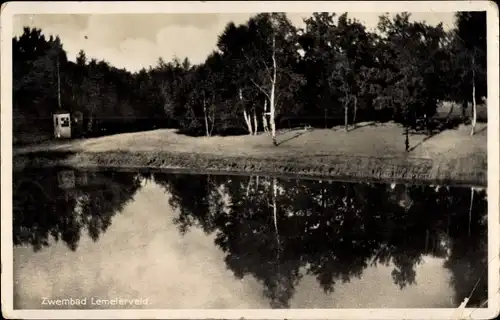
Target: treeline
x=264 y=75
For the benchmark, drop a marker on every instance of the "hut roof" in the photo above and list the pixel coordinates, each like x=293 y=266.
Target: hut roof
x=60 y=111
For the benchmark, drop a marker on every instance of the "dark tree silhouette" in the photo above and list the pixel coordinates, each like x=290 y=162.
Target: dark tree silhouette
x=332 y=72
x=334 y=230
x=61 y=203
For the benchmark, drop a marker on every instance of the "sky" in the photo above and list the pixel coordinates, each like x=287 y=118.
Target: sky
x=134 y=41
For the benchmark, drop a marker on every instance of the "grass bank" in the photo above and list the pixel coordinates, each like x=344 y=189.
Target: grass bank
x=370 y=151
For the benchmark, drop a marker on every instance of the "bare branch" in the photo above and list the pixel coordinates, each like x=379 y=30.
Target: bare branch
x=260 y=88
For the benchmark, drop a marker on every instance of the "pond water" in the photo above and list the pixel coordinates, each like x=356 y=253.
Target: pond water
x=213 y=241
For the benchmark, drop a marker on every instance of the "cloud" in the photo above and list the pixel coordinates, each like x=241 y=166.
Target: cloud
x=136 y=41
x=133 y=41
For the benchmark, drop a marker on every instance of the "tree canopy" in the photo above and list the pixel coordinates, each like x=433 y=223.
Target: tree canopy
x=263 y=74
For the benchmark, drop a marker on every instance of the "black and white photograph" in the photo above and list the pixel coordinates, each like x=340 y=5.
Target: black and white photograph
x=262 y=160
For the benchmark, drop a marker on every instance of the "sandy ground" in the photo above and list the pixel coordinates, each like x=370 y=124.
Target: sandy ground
x=378 y=140
x=452 y=150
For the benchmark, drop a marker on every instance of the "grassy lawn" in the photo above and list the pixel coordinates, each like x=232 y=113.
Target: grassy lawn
x=370 y=151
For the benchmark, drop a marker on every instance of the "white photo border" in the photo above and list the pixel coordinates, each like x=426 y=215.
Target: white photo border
x=10 y=9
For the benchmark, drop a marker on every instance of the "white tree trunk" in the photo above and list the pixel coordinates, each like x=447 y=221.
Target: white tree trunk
x=248 y=121
x=264 y=118
x=275 y=209
x=246 y=116
x=271 y=116
x=272 y=107
x=255 y=126
x=474 y=107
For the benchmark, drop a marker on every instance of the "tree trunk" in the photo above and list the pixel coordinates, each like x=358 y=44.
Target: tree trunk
x=206 y=121
x=280 y=285
x=427 y=125
x=271 y=116
x=264 y=123
x=407 y=139
x=264 y=119
x=272 y=107
x=470 y=208
x=450 y=112
x=248 y=185
x=254 y=122
x=248 y=121
x=474 y=109
x=464 y=110
x=206 y=117
x=275 y=208
x=323 y=202
x=246 y=116
x=90 y=126
x=212 y=123
x=345 y=117
x=355 y=110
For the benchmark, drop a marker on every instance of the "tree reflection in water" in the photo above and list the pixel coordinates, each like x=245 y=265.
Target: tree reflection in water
x=334 y=230
x=277 y=229
x=60 y=203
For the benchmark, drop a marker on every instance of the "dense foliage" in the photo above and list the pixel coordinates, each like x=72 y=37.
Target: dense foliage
x=264 y=74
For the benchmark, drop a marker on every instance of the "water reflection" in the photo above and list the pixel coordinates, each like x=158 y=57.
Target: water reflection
x=58 y=204
x=271 y=228
x=282 y=233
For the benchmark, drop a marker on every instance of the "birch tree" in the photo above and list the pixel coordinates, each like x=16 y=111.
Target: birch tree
x=352 y=51
x=233 y=45
x=268 y=57
x=208 y=90
x=471 y=37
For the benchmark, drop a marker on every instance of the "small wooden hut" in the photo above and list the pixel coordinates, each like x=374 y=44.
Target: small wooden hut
x=62 y=124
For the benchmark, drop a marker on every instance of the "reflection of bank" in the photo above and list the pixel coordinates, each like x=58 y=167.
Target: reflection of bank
x=66 y=179
x=69 y=179
x=400 y=195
